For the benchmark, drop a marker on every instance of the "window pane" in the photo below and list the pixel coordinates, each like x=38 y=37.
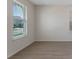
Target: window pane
x=18 y=10
x=18 y=20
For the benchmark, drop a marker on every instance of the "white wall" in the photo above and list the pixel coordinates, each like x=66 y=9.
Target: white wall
x=16 y=45
x=52 y=23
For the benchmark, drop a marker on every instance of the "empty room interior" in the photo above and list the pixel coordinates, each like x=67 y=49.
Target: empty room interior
x=39 y=29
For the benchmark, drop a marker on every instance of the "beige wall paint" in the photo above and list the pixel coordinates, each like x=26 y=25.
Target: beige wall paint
x=16 y=45
x=52 y=23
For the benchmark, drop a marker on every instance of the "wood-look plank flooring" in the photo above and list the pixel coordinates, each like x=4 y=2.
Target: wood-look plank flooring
x=46 y=50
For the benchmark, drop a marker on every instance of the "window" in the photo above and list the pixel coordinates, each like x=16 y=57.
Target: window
x=18 y=20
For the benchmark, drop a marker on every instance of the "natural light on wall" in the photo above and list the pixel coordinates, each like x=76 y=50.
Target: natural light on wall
x=19 y=20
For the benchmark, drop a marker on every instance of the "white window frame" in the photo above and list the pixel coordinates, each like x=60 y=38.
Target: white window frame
x=25 y=26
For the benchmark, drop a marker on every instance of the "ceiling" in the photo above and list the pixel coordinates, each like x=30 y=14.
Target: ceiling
x=51 y=2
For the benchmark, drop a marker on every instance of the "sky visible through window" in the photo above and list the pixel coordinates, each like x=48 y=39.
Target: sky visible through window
x=18 y=10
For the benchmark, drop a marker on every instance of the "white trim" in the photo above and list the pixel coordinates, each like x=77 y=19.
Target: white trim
x=18 y=3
